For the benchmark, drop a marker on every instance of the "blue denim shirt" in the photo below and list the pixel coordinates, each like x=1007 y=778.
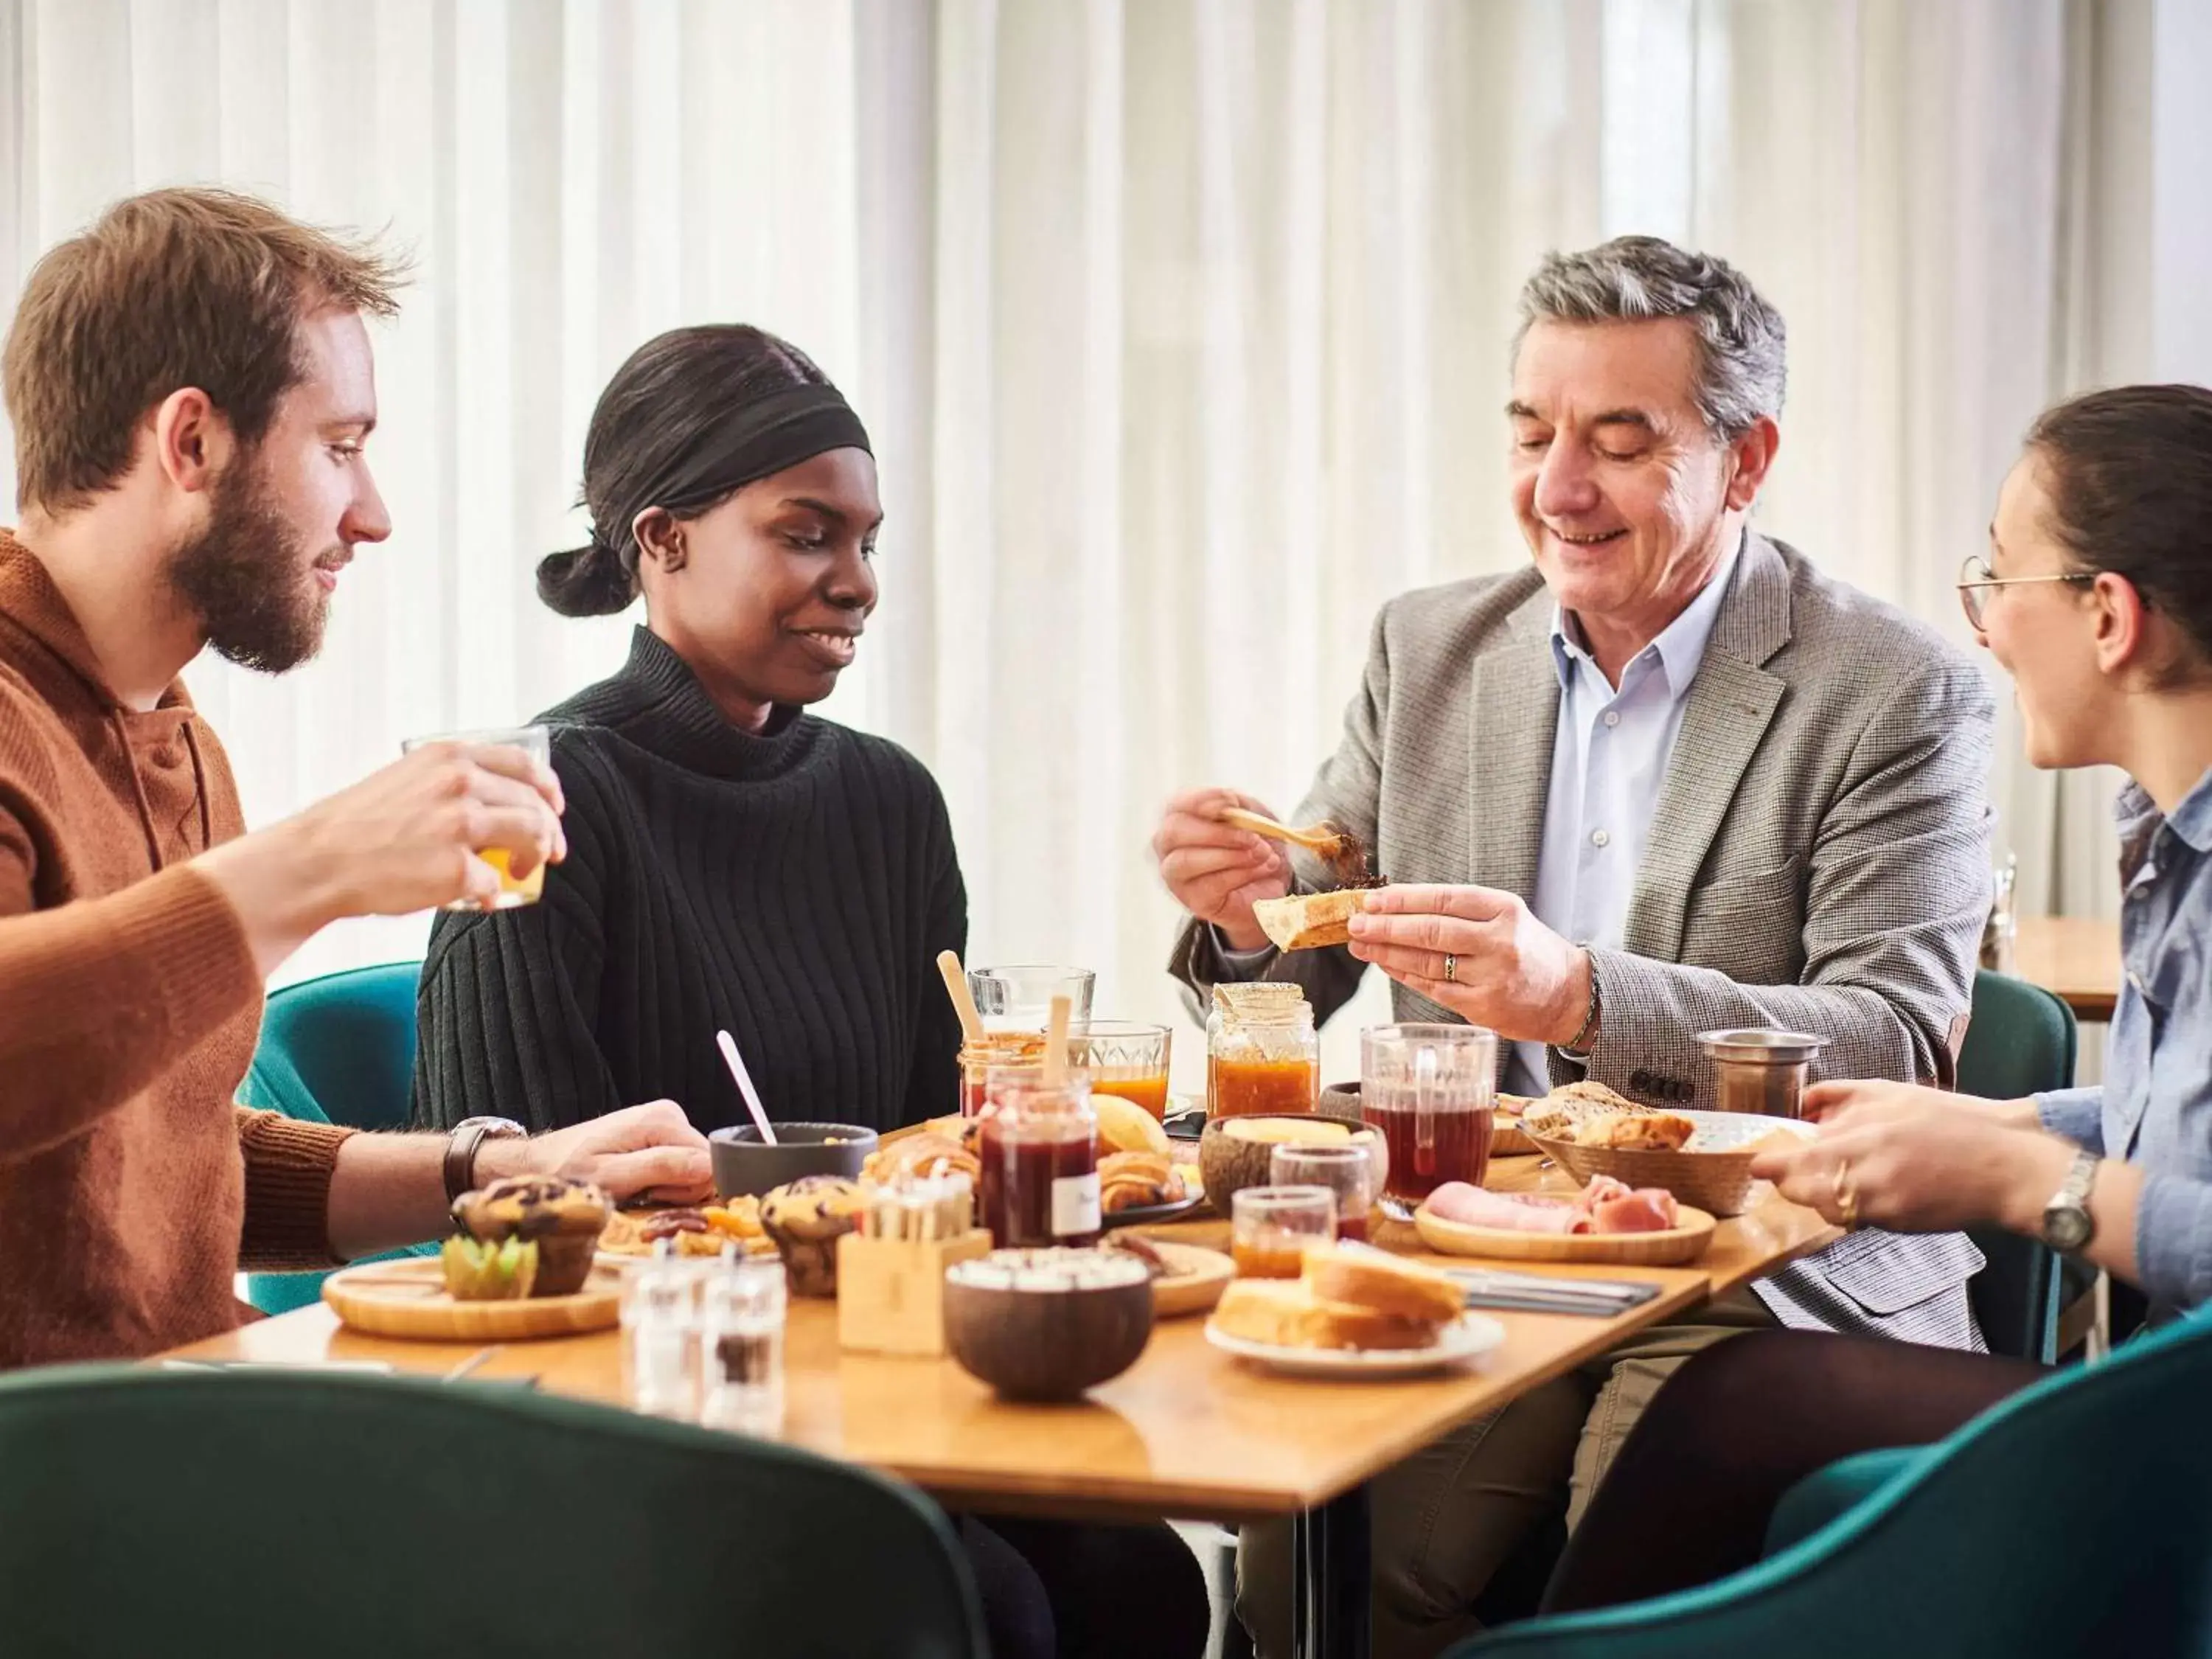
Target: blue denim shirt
x=2155 y=1106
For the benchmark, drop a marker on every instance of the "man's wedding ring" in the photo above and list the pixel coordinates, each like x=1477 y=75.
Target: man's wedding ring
x=1452 y=969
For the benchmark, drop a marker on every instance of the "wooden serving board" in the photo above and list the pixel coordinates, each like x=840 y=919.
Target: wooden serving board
x=408 y=1299
x=1198 y=1276
x=1672 y=1247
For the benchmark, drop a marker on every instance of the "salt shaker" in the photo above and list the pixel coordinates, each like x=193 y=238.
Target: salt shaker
x=661 y=1336
x=742 y=1308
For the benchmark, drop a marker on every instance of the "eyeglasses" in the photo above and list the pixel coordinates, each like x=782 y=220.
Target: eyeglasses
x=1976 y=579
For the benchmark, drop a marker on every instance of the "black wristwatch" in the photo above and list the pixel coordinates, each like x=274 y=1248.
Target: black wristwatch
x=2068 y=1226
x=469 y=1133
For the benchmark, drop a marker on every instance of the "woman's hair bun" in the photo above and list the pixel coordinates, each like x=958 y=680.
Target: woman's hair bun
x=589 y=580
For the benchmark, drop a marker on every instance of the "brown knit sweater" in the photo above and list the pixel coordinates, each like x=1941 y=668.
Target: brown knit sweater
x=131 y=1186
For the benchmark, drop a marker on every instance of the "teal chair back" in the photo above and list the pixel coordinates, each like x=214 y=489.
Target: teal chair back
x=2074 y=1518
x=338 y=1049
x=146 y=1512
x=2020 y=1042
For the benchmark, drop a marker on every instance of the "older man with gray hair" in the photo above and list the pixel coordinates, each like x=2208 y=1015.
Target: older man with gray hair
x=1670 y=779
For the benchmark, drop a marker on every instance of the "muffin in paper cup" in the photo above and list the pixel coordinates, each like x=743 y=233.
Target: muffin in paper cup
x=806 y=1219
x=562 y=1218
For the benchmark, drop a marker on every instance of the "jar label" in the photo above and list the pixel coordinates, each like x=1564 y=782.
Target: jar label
x=1075 y=1205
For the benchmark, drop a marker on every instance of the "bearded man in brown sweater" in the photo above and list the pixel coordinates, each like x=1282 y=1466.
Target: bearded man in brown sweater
x=191 y=389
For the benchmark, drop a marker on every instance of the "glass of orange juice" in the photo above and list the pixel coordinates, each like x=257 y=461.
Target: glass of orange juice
x=1127 y=1059
x=536 y=742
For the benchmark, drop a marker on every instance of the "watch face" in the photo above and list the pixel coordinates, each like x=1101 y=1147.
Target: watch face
x=495 y=1128
x=2065 y=1227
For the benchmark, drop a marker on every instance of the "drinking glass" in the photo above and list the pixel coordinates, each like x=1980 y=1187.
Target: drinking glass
x=741 y=1318
x=536 y=742
x=1127 y=1059
x=1271 y=1229
x=1428 y=1089
x=1020 y=999
x=1351 y=1173
x=2002 y=928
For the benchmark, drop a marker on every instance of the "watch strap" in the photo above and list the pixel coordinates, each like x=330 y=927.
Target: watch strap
x=461 y=1157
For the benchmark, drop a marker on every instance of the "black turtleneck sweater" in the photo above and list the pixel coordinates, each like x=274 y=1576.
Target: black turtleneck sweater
x=793 y=888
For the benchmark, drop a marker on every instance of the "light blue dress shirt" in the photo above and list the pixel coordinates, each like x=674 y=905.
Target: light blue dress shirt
x=1608 y=770
x=2154 y=1107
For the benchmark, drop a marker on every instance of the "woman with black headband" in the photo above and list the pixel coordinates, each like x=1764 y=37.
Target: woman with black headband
x=734 y=863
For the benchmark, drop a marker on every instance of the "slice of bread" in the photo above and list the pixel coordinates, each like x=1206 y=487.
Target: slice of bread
x=1307 y=921
x=1368 y=1279
x=1285 y=1312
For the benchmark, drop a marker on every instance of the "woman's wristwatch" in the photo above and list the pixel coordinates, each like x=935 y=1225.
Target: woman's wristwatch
x=469 y=1133
x=2068 y=1226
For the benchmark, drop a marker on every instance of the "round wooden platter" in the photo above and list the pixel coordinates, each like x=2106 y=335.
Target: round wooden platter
x=1195 y=1283
x=408 y=1299
x=1672 y=1247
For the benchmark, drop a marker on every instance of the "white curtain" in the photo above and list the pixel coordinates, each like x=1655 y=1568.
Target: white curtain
x=1181 y=325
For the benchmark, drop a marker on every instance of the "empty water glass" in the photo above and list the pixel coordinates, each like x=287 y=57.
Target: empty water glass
x=742 y=1309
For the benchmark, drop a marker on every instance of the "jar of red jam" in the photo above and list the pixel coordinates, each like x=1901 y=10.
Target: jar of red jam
x=1038 y=1145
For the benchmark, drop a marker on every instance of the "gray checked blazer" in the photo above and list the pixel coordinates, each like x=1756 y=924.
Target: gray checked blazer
x=1817 y=860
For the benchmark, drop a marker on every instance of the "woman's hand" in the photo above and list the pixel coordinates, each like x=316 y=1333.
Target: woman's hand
x=1919 y=1160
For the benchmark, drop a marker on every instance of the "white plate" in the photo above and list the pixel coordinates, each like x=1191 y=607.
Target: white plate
x=1464 y=1337
x=1728 y=1132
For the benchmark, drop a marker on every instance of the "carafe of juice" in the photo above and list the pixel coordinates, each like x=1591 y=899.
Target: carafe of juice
x=1262 y=1053
x=1039 y=1150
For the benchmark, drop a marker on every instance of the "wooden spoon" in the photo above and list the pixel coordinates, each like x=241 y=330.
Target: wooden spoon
x=1323 y=839
x=963 y=999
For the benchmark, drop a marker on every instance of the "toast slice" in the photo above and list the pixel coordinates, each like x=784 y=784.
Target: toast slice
x=1368 y=1279
x=1307 y=921
x=1285 y=1312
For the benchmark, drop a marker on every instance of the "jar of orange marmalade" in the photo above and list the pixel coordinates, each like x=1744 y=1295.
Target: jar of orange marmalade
x=1262 y=1053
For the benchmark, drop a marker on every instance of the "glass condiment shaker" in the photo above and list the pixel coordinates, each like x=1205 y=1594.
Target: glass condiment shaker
x=742 y=1306
x=661 y=1335
x=1262 y=1054
x=1038 y=1146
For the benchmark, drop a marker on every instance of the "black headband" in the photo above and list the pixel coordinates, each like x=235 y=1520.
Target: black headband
x=757 y=439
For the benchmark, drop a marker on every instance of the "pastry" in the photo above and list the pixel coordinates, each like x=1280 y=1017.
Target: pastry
x=806 y=1219
x=1126 y=1126
x=1143 y=1249
x=920 y=1154
x=1136 y=1180
x=1637 y=1132
x=564 y=1218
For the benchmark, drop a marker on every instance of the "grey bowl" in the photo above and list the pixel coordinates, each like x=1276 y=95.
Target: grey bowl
x=744 y=1166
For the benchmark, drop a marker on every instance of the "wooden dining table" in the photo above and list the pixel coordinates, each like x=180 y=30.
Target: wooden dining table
x=2076 y=958
x=1187 y=1433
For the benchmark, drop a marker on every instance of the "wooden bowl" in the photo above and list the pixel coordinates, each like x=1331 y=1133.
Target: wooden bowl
x=1667 y=1249
x=1045 y=1325
x=1228 y=1162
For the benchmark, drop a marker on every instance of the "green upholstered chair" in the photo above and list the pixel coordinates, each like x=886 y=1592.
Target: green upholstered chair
x=2074 y=1518
x=152 y=1511
x=2021 y=1040
x=337 y=1049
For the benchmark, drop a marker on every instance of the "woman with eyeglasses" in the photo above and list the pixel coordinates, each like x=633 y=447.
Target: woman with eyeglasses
x=2096 y=597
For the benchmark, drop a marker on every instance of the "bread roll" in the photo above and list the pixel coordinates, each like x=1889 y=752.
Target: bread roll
x=1306 y=921
x=1367 y=1278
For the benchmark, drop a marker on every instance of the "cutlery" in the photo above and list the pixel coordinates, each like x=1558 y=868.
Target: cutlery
x=1323 y=839
x=743 y=1079
x=475 y=1360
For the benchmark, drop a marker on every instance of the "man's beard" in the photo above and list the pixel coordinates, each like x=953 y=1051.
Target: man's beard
x=246 y=577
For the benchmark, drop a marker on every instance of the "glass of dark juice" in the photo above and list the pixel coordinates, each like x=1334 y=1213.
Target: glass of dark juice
x=1428 y=1091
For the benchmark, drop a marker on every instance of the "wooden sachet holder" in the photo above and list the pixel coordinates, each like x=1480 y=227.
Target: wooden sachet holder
x=890 y=1292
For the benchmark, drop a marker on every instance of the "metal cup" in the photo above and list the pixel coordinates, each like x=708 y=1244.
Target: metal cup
x=1760 y=1071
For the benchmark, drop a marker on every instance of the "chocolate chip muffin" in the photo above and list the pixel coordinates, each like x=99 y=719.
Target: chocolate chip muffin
x=806 y=1219
x=562 y=1218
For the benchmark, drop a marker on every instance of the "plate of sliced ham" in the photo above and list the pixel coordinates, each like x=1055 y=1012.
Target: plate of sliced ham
x=1607 y=1221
